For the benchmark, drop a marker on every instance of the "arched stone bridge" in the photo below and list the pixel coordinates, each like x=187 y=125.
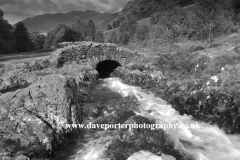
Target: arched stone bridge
x=93 y=53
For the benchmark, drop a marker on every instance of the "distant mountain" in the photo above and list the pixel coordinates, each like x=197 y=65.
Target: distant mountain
x=46 y=22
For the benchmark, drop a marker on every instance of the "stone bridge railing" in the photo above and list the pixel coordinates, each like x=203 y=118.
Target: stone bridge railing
x=93 y=53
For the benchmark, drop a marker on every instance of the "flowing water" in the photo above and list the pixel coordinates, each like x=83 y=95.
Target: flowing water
x=206 y=143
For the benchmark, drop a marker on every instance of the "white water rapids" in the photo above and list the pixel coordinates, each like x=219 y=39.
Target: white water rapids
x=208 y=142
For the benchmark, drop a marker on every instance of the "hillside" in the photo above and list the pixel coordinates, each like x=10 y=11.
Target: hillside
x=187 y=8
x=107 y=34
x=46 y=22
x=142 y=9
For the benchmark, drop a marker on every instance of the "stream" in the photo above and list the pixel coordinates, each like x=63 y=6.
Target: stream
x=205 y=143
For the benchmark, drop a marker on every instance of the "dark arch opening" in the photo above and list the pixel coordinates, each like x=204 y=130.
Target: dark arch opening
x=106 y=67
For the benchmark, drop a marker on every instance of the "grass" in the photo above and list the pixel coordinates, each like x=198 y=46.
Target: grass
x=8 y=66
x=221 y=61
x=73 y=70
x=187 y=65
x=188 y=59
x=182 y=65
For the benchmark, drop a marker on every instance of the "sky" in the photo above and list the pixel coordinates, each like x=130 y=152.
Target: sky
x=17 y=10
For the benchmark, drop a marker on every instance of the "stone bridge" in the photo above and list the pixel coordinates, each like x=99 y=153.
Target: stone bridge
x=93 y=53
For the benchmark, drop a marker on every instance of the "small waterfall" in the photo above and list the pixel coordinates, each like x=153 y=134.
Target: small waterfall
x=206 y=143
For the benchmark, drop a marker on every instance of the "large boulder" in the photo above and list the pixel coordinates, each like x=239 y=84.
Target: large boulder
x=32 y=120
x=91 y=75
x=138 y=78
x=136 y=139
x=218 y=106
x=45 y=63
x=214 y=101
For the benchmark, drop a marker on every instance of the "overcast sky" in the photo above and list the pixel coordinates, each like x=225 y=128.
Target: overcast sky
x=17 y=10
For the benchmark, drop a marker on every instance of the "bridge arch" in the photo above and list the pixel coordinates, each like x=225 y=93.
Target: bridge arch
x=93 y=61
x=106 y=67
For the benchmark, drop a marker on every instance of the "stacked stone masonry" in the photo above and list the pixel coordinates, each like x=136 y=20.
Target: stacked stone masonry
x=93 y=53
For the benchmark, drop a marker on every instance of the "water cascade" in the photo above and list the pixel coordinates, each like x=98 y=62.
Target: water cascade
x=206 y=143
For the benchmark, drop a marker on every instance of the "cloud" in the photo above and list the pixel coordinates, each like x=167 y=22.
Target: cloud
x=30 y=8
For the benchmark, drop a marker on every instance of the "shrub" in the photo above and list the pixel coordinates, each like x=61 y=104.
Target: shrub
x=38 y=41
x=140 y=67
x=163 y=37
x=99 y=37
x=109 y=27
x=113 y=38
x=61 y=33
x=183 y=64
x=125 y=38
x=80 y=27
x=221 y=61
x=212 y=18
x=91 y=31
x=142 y=32
x=127 y=29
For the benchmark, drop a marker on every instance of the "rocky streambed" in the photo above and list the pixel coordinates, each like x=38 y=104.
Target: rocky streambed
x=37 y=103
x=33 y=116
x=33 y=119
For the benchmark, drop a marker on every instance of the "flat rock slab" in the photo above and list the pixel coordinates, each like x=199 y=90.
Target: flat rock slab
x=16 y=79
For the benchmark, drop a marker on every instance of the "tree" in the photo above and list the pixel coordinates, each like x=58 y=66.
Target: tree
x=99 y=37
x=80 y=27
x=114 y=24
x=7 y=44
x=166 y=6
x=163 y=36
x=113 y=38
x=172 y=16
x=71 y=36
x=60 y=33
x=169 y=24
x=142 y=32
x=1 y=14
x=91 y=30
x=236 y=5
x=38 y=41
x=128 y=25
x=127 y=29
x=23 y=42
x=212 y=19
x=109 y=27
x=125 y=38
